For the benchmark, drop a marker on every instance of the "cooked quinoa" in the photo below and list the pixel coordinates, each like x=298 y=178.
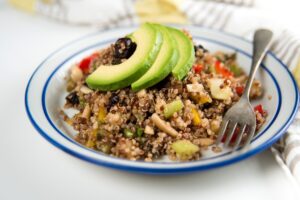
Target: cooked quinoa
x=132 y=125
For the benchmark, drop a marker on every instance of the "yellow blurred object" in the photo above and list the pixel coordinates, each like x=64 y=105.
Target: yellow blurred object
x=90 y=144
x=205 y=99
x=296 y=73
x=28 y=5
x=196 y=117
x=69 y=121
x=201 y=99
x=48 y=1
x=160 y=11
x=101 y=114
x=92 y=138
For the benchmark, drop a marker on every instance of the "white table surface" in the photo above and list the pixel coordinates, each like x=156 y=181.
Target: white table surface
x=33 y=169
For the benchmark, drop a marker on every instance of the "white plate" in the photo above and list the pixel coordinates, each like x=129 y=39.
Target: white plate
x=45 y=95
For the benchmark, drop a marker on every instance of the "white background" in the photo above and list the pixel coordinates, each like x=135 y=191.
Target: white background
x=33 y=169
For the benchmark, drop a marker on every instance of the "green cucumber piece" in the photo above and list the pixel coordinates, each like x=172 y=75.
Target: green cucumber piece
x=172 y=107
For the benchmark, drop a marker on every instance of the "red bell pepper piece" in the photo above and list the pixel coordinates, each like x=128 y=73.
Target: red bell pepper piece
x=234 y=136
x=84 y=64
x=239 y=90
x=259 y=109
x=220 y=69
x=198 y=68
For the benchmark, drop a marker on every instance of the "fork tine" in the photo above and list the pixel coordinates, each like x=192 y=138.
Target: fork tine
x=239 y=137
x=231 y=127
x=222 y=131
x=251 y=134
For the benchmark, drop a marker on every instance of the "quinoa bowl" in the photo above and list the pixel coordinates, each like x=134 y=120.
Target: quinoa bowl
x=46 y=92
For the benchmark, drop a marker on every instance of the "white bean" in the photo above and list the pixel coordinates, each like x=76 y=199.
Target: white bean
x=76 y=74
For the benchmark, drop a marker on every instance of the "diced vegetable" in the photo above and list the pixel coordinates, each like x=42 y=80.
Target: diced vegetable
x=85 y=90
x=235 y=70
x=139 y=132
x=205 y=98
x=149 y=130
x=212 y=69
x=202 y=98
x=76 y=74
x=101 y=114
x=90 y=144
x=239 y=90
x=105 y=148
x=128 y=133
x=195 y=87
x=234 y=136
x=71 y=85
x=162 y=125
x=199 y=95
x=217 y=92
x=196 y=117
x=82 y=102
x=198 y=68
x=184 y=149
x=215 y=125
x=172 y=108
x=92 y=137
x=259 y=109
x=204 y=142
x=221 y=69
x=86 y=113
x=84 y=64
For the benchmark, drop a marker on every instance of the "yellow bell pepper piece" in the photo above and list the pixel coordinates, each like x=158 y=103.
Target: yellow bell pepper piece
x=201 y=98
x=196 y=117
x=205 y=99
x=101 y=114
x=92 y=138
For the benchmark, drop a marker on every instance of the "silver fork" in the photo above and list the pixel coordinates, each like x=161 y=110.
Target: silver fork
x=241 y=114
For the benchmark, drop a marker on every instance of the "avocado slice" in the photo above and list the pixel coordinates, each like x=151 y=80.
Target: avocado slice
x=148 y=40
x=163 y=64
x=186 y=54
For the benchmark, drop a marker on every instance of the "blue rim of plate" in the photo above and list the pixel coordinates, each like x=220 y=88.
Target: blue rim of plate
x=254 y=151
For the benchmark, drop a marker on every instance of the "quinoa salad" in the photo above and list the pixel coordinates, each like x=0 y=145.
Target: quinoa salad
x=175 y=117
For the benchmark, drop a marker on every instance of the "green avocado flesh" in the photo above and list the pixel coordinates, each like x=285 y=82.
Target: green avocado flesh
x=160 y=51
x=186 y=54
x=148 y=40
x=163 y=64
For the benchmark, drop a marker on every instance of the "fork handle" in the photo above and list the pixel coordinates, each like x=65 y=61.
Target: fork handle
x=261 y=43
